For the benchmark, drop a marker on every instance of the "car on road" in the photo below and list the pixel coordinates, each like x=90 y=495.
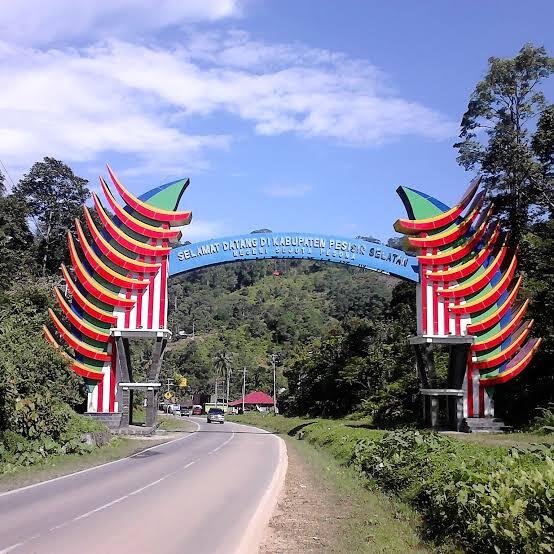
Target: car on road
x=197 y=410
x=216 y=415
x=184 y=412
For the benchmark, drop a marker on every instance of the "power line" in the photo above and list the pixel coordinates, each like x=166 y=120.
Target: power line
x=6 y=173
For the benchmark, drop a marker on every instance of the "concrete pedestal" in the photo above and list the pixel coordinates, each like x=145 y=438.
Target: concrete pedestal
x=452 y=403
x=111 y=420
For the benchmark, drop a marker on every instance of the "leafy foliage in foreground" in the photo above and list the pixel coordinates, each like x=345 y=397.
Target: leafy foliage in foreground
x=486 y=499
x=39 y=438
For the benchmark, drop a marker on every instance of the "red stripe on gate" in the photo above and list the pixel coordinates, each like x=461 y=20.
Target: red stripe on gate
x=469 y=380
x=100 y=399
x=163 y=285
x=435 y=287
x=140 y=294
x=153 y=242
x=445 y=307
x=457 y=320
x=481 y=400
x=424 y=293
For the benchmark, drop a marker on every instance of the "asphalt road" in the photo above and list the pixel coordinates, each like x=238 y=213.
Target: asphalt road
x=200 y=494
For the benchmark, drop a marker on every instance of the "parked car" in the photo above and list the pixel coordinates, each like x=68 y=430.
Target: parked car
x=184 y=412
x=216 y=415
x=197 y=410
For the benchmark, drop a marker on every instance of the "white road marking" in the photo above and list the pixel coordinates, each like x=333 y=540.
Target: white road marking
x=57 y=527
x=14 y=491
x=12 y=547
x=103 y=507
x=149 y=485
x=222 y=445
x=189 y=464
x=120 y=499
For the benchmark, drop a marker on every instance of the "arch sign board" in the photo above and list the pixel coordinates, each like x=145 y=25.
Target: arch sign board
x=464 y=268
x=258 y=246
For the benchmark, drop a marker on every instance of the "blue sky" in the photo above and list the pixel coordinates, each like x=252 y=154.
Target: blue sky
x=291 y=115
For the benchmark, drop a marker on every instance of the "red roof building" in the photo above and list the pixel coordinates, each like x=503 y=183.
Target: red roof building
x=254 y=400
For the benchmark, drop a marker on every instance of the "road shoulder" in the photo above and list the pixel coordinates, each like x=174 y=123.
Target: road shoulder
x=326 y=508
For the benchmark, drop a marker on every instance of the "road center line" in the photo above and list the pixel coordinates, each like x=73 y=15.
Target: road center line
x=103 y=507
x=117 y=500
x=147 y=486
x=222 y=445
x=12 y=547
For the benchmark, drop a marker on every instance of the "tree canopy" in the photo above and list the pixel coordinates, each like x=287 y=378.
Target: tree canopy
x=501 y=141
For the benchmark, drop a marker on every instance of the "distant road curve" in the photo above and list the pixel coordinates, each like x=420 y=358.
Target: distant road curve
x=210 y=492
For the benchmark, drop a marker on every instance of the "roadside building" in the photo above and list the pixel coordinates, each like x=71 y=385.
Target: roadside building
x=257 y=400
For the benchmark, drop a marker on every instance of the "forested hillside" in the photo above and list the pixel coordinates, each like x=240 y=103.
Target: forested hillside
x=294 y=309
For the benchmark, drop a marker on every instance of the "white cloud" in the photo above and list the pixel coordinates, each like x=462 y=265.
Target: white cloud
x=32 y=22
x=288 y=191
x=62 y=103
x=139 y=100
x=202 y=229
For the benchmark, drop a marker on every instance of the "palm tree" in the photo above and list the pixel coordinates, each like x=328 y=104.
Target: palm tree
x=222 y=364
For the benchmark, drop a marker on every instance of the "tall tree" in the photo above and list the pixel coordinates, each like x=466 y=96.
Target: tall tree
x=16 y=240
x=505 y=105
x=54 y=196
x=222 y=364
x=543 y=147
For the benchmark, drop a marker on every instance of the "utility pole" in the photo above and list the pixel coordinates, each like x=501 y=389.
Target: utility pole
x=243 y=386
x=273 y=359
x=229 y=371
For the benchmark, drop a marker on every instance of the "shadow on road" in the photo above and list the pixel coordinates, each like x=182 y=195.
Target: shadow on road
x=230 y=432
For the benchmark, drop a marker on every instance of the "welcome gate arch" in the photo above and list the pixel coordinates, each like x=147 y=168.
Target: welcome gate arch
x=464 y=270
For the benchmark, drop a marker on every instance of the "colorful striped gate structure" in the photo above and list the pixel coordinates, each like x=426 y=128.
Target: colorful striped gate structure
x=118 y=286
x=467 y=295
x=117 y=289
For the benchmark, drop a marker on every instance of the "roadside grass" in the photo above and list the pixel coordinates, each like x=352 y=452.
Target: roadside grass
x=353 y=430
x=506 y=440
x=171 y=423
x=476 y=491
x=139 y=415
x=118 y=447
x=57 y=466
x=373 y=522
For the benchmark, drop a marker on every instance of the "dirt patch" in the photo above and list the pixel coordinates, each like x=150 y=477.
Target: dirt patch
x=308 y=515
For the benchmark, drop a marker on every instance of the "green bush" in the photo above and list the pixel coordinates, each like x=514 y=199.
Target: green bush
x=544 y=422
x=40 y=415
x=79 y=425
x=506 y=508
x=45 y=428
x=486 y=499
